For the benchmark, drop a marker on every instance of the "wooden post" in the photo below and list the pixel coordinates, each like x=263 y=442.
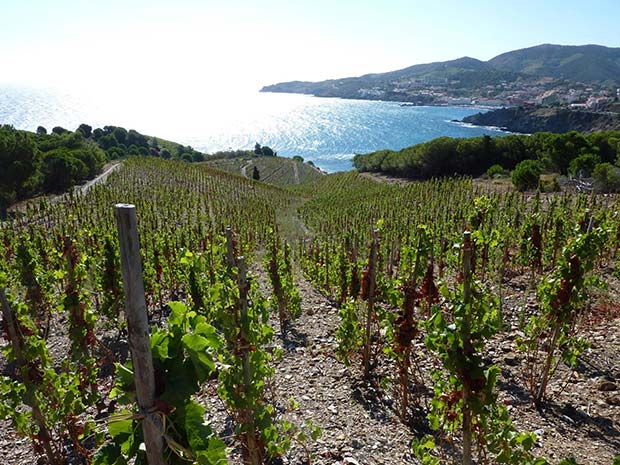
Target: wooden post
x=138 y=328
x=230 y=248
x=372 y=278
x=29 y=399
x=253 y=453
x=467 y=249
x=327 y=287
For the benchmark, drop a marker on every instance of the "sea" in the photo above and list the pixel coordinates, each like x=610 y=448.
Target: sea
x=326 y=131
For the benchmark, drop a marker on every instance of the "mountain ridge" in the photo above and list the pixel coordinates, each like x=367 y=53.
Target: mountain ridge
x=470 y=77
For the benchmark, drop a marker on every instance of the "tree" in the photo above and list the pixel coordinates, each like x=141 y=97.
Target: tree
x=120 y=134
x=606 y=178
x=584 y=165
x=106 y=142
x=563 y=148
x=257 y=149
x=267 y=151
x=41 y=131
x=92 y=156
x=59 y=130
x=60 y=170
x=18 y=155
x=85 y=129
x=255 y=174
x=526 y=175
x=135 y=138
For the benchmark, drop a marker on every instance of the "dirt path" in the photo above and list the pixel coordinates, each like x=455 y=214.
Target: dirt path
x=107 y=171
x=357 y=428
x=295 y=173
x=244 y=169
x=22 y=206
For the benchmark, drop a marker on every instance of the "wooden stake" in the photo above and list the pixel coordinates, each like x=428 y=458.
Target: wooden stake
x=230 y=248
x=29 y=399
x=372 y=277
x=138 y=328
x=253 y=453
x=467 y=394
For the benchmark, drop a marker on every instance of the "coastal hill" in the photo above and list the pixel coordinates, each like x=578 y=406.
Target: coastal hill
x=584 y=63
x=510 y=77
x=467 y=72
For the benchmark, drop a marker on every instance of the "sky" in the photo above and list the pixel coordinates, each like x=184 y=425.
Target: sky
x=139 y=47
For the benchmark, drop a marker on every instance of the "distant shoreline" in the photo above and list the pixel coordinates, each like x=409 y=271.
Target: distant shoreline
x=402 y=103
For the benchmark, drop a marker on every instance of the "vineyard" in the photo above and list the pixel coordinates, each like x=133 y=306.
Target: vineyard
x=340 y=320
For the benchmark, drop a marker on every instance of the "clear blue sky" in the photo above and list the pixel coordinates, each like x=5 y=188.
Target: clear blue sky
x=139 y=44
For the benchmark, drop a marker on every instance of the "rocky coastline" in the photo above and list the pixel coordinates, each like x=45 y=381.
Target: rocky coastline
x=529 y=120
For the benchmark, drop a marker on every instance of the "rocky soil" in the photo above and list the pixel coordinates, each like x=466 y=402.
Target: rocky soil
x=358 y=417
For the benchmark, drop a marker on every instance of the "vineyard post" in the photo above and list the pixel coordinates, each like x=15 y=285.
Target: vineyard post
x=277 y=287
x=327 y=288
x=372 y=271
x=230 y=248
x=30 y=399
x=138 y=328
x=410 y=293
x=253 y=448
x=467 y=250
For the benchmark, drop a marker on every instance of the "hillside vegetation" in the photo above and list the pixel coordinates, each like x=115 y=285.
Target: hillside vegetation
x=580 y=63
x=38 y=163
x=447 y=156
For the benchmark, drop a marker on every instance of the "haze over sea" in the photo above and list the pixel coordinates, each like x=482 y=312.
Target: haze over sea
x=327 y=131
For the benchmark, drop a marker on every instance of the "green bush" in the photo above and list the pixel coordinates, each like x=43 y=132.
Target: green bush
x=497 y=171
x=606 y=178
x=549 y=185
x=526 y=175
x=584 y=165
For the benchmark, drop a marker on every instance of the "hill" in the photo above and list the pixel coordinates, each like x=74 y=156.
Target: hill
x=280 y=171
x=463 y=72
x=532 y=70
x=583 y=63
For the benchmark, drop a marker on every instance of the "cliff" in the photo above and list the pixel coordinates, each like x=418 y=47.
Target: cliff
x=536 y=119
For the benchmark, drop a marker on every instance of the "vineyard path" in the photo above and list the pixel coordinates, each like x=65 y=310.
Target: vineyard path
x=356 y=426
x=244 y=169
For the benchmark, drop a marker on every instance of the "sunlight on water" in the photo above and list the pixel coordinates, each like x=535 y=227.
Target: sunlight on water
x=326 y=131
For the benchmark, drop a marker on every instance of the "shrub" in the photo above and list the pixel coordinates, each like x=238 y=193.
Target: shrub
x=549 y=184
x=526 y=175
x=584 y=165
x=497 y=171
x=606 y=178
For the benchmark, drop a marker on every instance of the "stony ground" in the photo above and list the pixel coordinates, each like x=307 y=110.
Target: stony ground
x=358 y=418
